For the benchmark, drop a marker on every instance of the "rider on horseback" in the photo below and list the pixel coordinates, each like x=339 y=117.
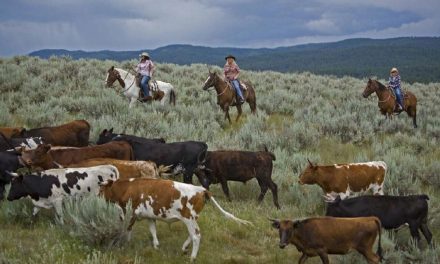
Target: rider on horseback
x=232 y=71
x=394 y=82
x=145 y=68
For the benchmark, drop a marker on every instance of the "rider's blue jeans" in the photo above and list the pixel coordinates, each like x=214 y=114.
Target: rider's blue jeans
x=144 y=85
x=237 y=88
x=399 y=95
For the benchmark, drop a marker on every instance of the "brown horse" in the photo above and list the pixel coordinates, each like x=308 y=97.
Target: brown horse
x=226 y=95
x=387 y=100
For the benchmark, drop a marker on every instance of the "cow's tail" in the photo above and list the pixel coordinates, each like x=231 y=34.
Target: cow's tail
x=379 y=245
x=208 y=196
x=172 y=97
x=270 y=153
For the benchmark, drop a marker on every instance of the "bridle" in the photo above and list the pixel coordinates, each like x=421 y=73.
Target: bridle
x=224 y=90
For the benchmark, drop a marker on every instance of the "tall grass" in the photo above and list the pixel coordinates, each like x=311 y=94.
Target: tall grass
x=299 y=116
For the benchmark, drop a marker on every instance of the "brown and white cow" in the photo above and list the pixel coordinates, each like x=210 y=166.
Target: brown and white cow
x=43 y=157
x=9 y=132
x=74 y=134
x=343 y=179
x=127 y=168
x=165 y=200
x=321 y=236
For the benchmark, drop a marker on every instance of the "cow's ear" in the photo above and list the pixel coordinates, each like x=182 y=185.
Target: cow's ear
x=46 y=147
x=310 y=163
x=275 y=223
x=106 y=183
x=111 y=130
x=104 y=131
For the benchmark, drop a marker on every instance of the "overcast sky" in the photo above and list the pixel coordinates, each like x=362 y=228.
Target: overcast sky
x=27 y=25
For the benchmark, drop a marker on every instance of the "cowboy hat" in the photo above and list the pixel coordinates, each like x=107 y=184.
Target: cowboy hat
x=394 y=70
x=229 y=56
x=144 y=54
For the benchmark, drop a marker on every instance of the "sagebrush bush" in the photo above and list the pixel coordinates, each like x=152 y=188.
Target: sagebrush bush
x=95 y=221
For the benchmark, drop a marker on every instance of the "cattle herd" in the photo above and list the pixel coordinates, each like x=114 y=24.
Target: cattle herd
x=124 y=168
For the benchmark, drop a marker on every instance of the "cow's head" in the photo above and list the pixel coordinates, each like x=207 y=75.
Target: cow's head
x=38 y=157
x=308 y=176
x=285 y=229
x=18 y=187
x=105 y=188
x=205 y=176
x=105 y=136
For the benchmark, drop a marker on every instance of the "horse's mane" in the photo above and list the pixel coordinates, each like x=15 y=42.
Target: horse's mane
x=124 y=73
x=381 y=86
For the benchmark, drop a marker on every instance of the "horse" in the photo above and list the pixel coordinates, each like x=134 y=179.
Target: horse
x=131 y=90
x=226 y=95
x=387 y=100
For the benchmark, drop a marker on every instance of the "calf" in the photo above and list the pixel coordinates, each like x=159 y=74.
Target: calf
x=329 y=235
x=223 y=166
x=44 y=157
x=48 y=188
x=10 y=161
x=74 y=134
x=127 y=168
x=393 y=211
x=343 y=179
x=165 y=200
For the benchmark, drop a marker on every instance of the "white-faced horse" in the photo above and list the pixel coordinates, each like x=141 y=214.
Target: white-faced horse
x=131 y=90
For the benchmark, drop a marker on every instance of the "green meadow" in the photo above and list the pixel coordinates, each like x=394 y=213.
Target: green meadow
x=299 y=116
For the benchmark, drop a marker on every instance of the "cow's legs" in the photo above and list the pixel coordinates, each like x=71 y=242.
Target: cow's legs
x=302 y=259
x=152 y=227
x=194 y=233
x=414 y=230
x=186 y=244
x=425 y=230
x=274 y=189
x=378 y=189
x=371 y=257
x=35 y=211
x=225 y=188
x=324 y=257
x=264 y=188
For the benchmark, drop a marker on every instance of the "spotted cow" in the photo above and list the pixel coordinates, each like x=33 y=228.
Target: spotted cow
x=164 y=200
x=344 y=179
x=48 y=188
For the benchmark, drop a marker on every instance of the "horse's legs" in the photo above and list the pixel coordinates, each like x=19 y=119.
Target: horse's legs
x=240 y=111
x=411 y=111
x=132 y=102
x=226 y=110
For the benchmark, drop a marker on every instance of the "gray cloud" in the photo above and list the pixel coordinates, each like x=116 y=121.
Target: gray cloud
x=135 y=24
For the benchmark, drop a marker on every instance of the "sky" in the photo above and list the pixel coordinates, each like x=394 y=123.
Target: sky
x=29 y=25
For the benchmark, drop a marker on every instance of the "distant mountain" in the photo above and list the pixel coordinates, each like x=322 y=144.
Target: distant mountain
x=418 y=58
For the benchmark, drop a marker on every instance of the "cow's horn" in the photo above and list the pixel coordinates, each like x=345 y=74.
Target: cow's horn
x=311 y=164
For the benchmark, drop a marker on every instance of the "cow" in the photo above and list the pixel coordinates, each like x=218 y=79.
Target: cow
x=108 y=135
x=43 y=157
x=343 y=179
x=321 y=236
x=126 y=168
x=19 y=143
x=48 y=188
x=74 y=134
x=393 y=211
x=10 y=132
x=183 y=157
x=227 y=165
x=164 y=200
x=10 y=161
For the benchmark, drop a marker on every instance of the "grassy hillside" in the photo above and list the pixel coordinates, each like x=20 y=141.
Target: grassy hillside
x=300 y=116
x=417 y=58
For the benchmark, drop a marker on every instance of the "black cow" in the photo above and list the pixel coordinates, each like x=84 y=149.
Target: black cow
x=108 y=135
x=12 y=143
x=9 y=161
x=183 y=157
x=393 y=211
x=227 y=165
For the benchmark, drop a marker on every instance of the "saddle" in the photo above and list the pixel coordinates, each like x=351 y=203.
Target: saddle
x=393 y=94
x=154 y=88
x=243 y=89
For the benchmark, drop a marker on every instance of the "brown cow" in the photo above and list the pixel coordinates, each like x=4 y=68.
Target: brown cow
x=9 y=132
x=321 y=236
x=165 y=200
x=43 y=157
x=343 y=179
x=225 y=165
x=127 y=168
x=75 y=134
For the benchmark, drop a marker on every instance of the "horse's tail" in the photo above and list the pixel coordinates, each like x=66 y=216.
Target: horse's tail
x=172 y=97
